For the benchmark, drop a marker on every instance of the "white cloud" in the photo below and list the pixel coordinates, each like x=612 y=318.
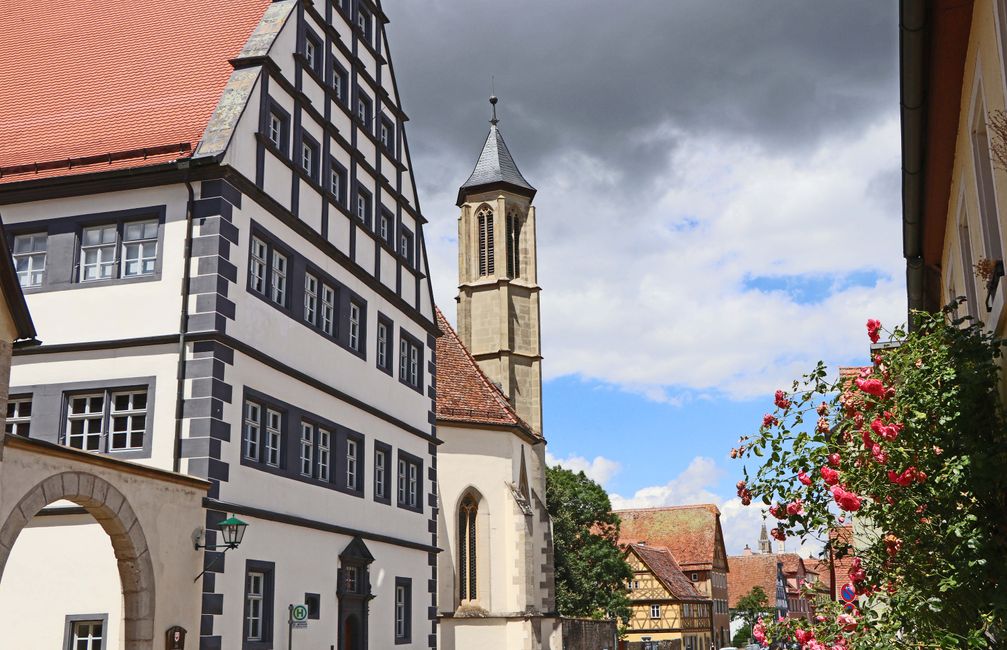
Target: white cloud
x=741 y=524
x=650 y=294
x=600 y=469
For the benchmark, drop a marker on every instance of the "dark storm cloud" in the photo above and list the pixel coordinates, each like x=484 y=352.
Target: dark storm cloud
x=604 y=77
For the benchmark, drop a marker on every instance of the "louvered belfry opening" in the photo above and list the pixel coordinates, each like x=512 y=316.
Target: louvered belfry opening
x=513 y=245
x=467 y=561
x=486 y=262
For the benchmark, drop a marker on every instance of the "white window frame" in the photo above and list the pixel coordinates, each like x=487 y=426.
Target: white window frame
x=257 y=264
x=142 y=246
x=308 y=158
x=130 y=414
x=310 y=298
x=328 y=309
x=276 y=130
x=336 y=182
x=274 y=435
x=414 y=365
x=352 y=454
x=311 y=53
x=307 y=448
x=106 y=262
x=324 y=446
x=17 y=423
x=380 y=476
x=33 y=257
x=400 y=611
x=278 y=278
x=89 y=638
x=252 y=430
x=413 y=494
x=354 y=329
x=382 y=350
x=255 y=603
x=402 y=481
x=384 y=226
x=363 y=206
x=655 y=611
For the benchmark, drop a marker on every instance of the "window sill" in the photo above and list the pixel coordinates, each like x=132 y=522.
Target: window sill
x=88 y=284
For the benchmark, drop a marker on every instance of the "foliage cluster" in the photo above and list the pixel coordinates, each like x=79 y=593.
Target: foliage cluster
x=592 y=575
x=914 y=449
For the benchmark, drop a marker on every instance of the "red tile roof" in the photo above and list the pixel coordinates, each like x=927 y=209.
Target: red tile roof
x=748 y=572
x=464 y=392
x=692 y=532
x=662 y=564
x=86 y=81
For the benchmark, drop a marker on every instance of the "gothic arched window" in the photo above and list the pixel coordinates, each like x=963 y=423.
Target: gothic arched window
x=467 y=561
x=513 y=245
x=486 y=266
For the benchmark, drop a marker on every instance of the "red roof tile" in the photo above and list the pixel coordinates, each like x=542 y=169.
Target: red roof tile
x=748 y=572
x=690 y=532
x=662 y=564
x=89 y=79
x=464 y=392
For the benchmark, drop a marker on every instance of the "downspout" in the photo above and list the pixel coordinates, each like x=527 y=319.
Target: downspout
x=183 y=326
x=913 y=37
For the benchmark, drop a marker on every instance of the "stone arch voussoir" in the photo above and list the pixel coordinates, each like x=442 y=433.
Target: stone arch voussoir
x=112 y=511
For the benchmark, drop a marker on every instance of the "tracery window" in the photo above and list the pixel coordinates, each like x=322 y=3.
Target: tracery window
x=513 y=245
x=467 y=560
x=486 y=265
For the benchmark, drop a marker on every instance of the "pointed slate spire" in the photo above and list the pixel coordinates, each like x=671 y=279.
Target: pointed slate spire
x=764 y=544
x=496 y=166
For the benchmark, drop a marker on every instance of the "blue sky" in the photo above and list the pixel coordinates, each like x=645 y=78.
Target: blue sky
x=718 y=208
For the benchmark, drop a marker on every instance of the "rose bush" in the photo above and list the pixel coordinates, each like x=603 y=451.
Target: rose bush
x=914 y=449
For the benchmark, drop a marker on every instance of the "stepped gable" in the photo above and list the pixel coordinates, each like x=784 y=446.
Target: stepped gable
x=689 y=532
x=750 y=571
x=464 y=393
x=662 y=563
x=92 y=87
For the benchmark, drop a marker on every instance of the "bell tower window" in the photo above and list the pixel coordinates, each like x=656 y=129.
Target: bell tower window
x=486 y=266
x=513 y=246
x=467 y=584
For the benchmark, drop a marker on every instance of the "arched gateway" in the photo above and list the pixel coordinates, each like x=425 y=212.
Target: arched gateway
x=142 y=510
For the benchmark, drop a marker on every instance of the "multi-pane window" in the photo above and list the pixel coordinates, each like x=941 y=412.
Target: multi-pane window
x=274 y=433
x=278 y=279
x=351 y=463
x=257 y=266
x=486 y=261
x=382 y=355
x=403 y=609
x=97 y=253
x=139 y=248
x=312 y=53
x=363 y=205
x=252 y=430
x=655 y=611
x=324 y=445
x=339 y=78
x=364 y=23
x=354 y=329
x=385 y=227
x=107 y=421
x=408 y=483
x=87 y=635
x=29 y=258
x=255 y=592
x=380 y=473
x=129 y=419
x=406 y=246
x=18 y=416
x=364 y=110
x=328 y=309
x=310 y=298
x=307 y=448
x=351 y=579
x=276 y=130
x=337 y=182
x=409 y=362
x=309 y=159
x=386 y=134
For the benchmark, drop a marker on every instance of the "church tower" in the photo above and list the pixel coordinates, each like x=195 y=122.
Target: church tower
x=764 y=544
x=498 y=292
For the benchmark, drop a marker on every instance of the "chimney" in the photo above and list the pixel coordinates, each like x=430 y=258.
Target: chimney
x=748 y=550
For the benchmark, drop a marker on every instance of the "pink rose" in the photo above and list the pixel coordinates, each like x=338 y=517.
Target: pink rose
x=781 y=400
x=795 y=508
x=829 y=475
x=803 y=477
x=871 y=386
x=873 y=329
x=769 y=420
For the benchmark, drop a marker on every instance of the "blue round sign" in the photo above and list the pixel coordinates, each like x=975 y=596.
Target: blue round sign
x=848 y=593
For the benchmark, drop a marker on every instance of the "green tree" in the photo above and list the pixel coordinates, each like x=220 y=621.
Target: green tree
x=743 y=636
x=750 y=607
x=592 y=575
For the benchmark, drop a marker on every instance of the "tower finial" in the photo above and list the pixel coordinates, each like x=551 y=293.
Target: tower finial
x=493 y=101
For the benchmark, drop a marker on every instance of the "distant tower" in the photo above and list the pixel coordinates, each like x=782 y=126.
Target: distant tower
x=498 y=292
x=764 y=545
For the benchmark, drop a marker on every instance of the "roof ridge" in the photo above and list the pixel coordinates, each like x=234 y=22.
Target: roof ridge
x=704 y=506
x=497 y=393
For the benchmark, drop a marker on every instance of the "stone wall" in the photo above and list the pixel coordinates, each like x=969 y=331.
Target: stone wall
x=588 y=634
